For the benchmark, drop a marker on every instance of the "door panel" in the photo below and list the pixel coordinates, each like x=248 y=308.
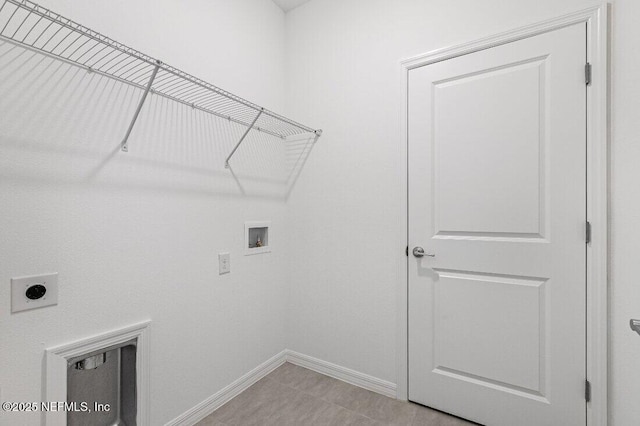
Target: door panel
x=497 y=165
x=487 y=153
x=481 y=324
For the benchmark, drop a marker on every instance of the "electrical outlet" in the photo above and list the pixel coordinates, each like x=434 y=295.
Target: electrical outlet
x=34 y=292
x=224 y=263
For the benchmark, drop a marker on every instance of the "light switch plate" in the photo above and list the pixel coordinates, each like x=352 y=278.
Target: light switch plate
x=224 y=263
x=19 y=286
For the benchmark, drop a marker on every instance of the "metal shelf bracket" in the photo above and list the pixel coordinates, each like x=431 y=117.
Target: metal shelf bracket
x=124 y=146
x=244 y=135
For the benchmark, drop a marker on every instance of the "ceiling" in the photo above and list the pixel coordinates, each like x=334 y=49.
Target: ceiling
x=287 y=5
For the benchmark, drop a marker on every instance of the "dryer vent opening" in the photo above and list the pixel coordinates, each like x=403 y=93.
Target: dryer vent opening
x=101 y=386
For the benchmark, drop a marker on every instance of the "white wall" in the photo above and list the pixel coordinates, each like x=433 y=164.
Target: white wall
x=136 y=236
x=343 y=75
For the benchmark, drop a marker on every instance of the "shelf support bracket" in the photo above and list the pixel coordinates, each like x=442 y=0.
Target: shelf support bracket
x=124 y=146
x=226 y=162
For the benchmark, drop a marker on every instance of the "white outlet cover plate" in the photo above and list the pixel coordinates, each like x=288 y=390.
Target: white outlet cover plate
x=19 y=286
x=224 y=263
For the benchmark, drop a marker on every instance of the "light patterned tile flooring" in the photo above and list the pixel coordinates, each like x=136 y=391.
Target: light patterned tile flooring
x=293 y=396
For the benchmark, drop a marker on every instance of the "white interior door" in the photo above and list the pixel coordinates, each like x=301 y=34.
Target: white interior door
x=497 y=193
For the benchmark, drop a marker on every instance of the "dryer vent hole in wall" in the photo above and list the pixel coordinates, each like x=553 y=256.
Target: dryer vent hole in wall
x=92 y=362
x=105 y=382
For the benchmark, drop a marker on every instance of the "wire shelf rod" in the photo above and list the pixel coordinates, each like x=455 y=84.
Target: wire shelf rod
x=73 y=26
x=41 y=30
x=132 y=71
x=32 y=27
x=197 y=81
x=85 y=52
x=21 y=24
x=186 y=92
x=71 y=44
x=126 y=58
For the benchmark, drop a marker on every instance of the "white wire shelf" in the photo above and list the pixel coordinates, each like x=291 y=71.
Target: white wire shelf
x=36 y=28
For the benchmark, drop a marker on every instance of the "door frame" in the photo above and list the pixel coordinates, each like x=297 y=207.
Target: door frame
x=596 y=19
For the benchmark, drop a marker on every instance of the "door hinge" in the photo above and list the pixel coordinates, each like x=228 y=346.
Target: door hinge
x=587 y=391
x=587 y=236
x=587 y=73
x=406 y=252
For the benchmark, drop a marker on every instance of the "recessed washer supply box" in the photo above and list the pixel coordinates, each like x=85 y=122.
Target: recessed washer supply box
x=256 y=237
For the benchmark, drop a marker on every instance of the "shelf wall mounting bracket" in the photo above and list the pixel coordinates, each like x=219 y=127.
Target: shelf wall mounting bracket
x=226 y=162
x=124 y=146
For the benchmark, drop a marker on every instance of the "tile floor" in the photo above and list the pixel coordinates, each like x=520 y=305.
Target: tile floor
x=292 y=395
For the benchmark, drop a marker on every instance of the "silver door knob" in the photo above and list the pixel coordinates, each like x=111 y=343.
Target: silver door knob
x=419 y=252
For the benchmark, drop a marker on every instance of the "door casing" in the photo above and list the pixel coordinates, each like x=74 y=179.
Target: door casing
x=597 y=20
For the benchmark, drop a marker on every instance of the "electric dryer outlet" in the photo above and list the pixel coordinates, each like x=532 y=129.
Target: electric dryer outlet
x=35 y=291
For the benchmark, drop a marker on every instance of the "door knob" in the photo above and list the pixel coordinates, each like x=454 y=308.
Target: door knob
x=419 y=252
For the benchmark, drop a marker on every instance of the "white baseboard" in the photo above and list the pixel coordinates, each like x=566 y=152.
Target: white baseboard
x=353 y=377
x=217 y=400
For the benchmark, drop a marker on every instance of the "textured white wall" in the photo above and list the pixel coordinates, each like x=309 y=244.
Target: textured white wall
x=343 y=73
x=136 y=236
